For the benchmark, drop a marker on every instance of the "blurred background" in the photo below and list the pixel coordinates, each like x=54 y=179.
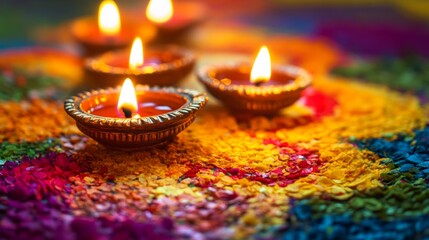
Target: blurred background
x=380 y=41
x=360 y=26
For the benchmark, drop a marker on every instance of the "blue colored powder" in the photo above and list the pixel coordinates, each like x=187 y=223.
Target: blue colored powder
x=343 y=227
x=409 y=155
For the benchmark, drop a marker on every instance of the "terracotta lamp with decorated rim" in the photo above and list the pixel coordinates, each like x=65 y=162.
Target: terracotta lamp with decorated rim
x=109 y=31
x=124 y=118
x=174 y=20
x=259 y=90
x=160 y=66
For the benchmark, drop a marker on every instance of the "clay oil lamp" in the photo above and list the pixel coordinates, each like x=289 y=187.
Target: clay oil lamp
x=110 y=31
x=124 y=118
x=260 y=89
x=161 y=66
x=173 y=21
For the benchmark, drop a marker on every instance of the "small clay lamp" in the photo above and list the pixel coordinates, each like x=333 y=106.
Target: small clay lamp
x=108 y=32
x=128 y=119
x=174 y=21
x=161 y=66
x=255 y=90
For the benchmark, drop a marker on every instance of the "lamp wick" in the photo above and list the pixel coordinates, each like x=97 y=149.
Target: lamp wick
x=128 y=113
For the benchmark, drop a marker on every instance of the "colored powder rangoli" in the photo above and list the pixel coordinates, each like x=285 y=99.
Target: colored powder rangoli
x=348 y=158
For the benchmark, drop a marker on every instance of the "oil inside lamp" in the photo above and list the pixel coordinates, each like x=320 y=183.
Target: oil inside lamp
x=136 y=55
x=159 y=11
x=261 y=70
x=109 y=21
x=131 y=104
x=127 y=102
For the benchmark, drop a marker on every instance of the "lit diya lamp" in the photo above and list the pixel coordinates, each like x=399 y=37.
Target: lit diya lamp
x=260 y=89
x=108 y=32
x=174 y=21
x=132 y=119
x=161 y=66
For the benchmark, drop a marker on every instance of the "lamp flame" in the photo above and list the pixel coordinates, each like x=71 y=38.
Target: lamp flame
x=127 y=99
x=109 y=21
x=261 y=70
x=136 y=54
x=159 y=11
